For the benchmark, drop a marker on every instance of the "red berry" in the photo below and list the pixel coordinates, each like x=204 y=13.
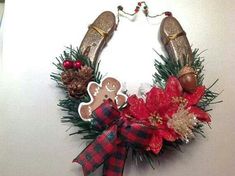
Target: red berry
x=168 y=13
x=136 y=10
x=139 y=3
x=77 y=64
x=68 y=64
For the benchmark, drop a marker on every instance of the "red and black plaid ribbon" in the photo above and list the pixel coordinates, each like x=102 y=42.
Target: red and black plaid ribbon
x=110 y=148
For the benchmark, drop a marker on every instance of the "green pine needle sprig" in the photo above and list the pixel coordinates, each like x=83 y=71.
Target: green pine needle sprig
x=170 y=67
x=70 y=104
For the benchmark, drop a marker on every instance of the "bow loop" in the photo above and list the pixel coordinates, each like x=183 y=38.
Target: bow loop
x=99 y=151
x=111 y=147
x=135 y=134
x=105 y=115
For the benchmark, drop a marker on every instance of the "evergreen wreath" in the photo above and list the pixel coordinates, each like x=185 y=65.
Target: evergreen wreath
x=167 y=117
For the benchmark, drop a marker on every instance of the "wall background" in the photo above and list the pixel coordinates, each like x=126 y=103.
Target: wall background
x=32 y=139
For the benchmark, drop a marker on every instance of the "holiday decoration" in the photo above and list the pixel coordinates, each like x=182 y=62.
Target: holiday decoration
x=165 y=106
x=169 y=113
x=108 y=89
x=76 y=71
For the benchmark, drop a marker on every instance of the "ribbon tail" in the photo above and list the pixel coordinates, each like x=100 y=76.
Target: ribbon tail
x=98 y=151
x=114 y=165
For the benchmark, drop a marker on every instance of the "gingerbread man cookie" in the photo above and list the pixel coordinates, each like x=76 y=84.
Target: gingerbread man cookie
x=110 y=88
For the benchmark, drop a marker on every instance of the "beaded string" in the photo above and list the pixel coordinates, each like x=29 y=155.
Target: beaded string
x=140 y=5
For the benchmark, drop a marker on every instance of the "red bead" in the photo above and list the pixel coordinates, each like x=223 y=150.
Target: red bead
x=136 y=10
x=68 y=64
x=139 y=3
x=77 y=64
x=168 y=13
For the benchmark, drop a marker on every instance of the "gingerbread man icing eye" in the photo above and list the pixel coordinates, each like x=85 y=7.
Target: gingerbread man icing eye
x=110 y=88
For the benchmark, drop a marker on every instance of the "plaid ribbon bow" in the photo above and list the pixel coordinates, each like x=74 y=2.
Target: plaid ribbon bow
x=111 y=147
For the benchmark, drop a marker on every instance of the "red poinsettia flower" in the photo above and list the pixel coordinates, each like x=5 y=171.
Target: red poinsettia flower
x=153 y=111
x=160 y=105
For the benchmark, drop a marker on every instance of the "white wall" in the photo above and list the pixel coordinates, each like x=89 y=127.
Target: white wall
x=32 y=139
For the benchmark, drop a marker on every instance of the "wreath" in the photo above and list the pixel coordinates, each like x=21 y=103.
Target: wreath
x=169 y=114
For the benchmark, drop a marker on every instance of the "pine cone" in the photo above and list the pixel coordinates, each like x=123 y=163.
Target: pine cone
x=68 y=76
x=86 y=73
x=77 y=87
x=77 y=81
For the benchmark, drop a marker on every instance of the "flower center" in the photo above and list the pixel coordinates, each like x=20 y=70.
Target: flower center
x=155 y=119
x=180 y=100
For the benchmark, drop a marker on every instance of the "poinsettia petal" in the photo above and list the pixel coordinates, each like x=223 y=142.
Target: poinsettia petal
x=170 y=111
x=156 y=101
x=200 y=114
x=156 y=143
x=137 y=107
x=194 y=98
x=153 y=99
x=167 y=134
x=132 y=100
x=173 y=87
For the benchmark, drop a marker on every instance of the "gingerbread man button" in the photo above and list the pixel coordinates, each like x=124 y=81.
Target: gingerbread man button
x=109 y=88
